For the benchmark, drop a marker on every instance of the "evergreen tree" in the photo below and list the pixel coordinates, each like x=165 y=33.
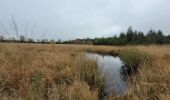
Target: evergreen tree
x=129 y=35
x=151 y=37
x=160 y=37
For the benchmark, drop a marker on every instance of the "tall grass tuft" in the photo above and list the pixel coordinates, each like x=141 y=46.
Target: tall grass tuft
x=132 y=59
x=89 y=72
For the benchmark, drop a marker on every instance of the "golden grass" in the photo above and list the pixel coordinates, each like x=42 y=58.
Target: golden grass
x=45 y=71
x=153 y=80
x=34 y=71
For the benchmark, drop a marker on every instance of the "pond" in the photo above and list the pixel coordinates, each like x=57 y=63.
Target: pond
x=110 y=66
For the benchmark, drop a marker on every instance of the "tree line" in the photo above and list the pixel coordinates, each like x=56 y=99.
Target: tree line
x=23 y=39
x=131 y=37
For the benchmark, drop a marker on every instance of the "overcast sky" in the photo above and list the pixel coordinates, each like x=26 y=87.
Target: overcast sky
x=69 y=19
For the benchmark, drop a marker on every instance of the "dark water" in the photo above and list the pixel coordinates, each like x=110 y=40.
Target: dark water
x=110 y=67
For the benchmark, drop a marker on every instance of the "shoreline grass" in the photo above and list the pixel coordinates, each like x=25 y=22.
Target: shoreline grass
x=132 y=59
x=44 y=71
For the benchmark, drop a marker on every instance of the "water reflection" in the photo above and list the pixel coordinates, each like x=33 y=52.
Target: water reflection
x=110 y=67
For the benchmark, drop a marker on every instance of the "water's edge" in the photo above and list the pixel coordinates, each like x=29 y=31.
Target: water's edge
x=110 y=66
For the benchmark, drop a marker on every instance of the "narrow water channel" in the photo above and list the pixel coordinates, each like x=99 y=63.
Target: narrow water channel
x=110 y=66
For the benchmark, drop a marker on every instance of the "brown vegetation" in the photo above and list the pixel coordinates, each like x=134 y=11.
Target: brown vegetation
x=31 y=71
x=153 y=79
x=45 y=71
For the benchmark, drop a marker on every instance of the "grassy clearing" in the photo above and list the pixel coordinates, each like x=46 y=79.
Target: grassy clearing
x=39 y=71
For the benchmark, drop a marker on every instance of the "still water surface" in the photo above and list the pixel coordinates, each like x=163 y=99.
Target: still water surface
x=110 y=66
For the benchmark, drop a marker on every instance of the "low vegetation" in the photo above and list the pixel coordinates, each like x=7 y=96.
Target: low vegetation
x=132 y=59
x=31 y=71
x=62 y=72
x=152 y=80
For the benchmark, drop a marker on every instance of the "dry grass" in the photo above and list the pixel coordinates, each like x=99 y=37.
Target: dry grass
x=153 y=80
x=39 y=71
x=33 y=71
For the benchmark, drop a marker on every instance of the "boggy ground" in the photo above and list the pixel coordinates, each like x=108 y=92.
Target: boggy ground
x=62 y=72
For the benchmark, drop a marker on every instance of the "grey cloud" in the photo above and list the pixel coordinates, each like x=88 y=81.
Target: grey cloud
x=68 y=19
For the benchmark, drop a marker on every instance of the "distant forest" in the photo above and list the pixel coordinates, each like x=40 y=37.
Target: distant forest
x=131 y=37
